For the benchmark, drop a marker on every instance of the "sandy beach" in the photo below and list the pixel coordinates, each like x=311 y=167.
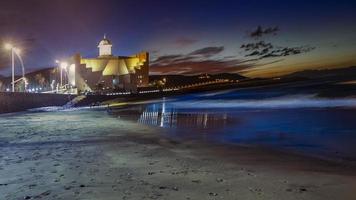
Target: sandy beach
x=87 y=154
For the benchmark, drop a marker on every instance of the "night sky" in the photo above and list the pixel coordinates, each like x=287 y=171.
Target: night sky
x=253 y=37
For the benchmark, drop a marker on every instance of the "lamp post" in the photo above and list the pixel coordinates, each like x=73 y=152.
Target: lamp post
x=13 y=69
x=13 y=51
x=62 y=66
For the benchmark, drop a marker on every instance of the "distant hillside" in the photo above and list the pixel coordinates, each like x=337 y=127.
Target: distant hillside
x=173 y=80
x=45 y=72
x=340 y=73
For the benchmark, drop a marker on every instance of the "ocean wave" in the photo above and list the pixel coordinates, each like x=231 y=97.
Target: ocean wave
x=211 y=94
x=63 y=109
x=308 y=101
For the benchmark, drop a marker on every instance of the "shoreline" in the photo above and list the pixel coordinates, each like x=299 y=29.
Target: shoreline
x=326 y=156
x=321 y=154
x=117 y=159
x=104 y=108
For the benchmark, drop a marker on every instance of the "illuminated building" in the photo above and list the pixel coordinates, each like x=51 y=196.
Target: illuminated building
x=108 y=72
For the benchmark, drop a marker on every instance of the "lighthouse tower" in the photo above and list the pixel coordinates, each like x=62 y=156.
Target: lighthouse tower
x=105 y=47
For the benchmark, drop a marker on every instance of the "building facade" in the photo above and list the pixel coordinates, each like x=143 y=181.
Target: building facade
x=108 y=72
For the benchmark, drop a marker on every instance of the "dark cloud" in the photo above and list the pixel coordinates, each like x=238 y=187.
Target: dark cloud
x=256 y=46
x=287 y=51
x=207 y=51
x=198 y=67
x=259 y=53
x=254 y=53
x=185 y=41
x=167 y=59
x=198 y=62
x=260 y=31
x=262 y=50
x=199 y=54
x=184 y=59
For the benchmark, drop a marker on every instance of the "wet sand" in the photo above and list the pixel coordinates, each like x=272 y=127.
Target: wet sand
x=91 y=155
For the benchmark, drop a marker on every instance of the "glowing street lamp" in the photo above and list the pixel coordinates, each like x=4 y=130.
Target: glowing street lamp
x=14 y=50
x=62 y=66
x=8 y=46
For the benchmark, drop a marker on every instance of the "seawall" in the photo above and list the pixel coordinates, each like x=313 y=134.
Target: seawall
x=16 y=102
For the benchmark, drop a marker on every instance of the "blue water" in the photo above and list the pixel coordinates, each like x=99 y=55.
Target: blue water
x=259 y=117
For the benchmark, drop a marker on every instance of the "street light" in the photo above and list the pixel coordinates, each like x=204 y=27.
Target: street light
x=8 y=46
x=62 y=66
x=14 y=50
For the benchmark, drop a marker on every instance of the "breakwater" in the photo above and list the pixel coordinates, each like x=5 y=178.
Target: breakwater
x=16 y=102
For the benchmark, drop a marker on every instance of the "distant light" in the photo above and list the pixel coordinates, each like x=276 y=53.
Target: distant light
x=64 y=65
x=8 y=46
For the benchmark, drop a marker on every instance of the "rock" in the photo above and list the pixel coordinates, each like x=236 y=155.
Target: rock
x=302 y=189
x=213 y=194
x=67 y=187
x=219 y=180
x=27 y=197
x=196 y=181
x=46 y=193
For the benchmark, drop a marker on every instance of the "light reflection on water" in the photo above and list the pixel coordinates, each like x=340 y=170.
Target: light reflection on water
x=328 y=128
x=168 y=117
